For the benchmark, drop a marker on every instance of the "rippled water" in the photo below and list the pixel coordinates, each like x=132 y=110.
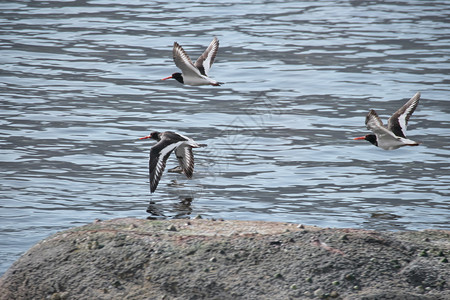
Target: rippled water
x=80 y=82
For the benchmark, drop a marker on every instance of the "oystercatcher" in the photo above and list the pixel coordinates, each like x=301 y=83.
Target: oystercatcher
x=169 y=141
x=195 y=73
x=394 y=135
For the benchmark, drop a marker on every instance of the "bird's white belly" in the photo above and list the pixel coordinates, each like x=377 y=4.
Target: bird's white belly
x=189 y=80
x=392 y=144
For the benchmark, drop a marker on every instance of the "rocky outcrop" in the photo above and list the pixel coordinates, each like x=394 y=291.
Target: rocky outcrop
x=206 y=259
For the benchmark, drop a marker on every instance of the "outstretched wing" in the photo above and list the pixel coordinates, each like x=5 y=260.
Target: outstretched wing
x=205 y=61
x=185 y=158
x=399 y=120
x=158 y=157
x=374 y=123
x=183 y=61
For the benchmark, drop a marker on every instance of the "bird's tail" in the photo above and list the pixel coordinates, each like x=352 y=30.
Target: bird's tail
x=409 y=142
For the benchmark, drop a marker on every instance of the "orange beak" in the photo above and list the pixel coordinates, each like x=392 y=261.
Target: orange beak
x=360 y=138
x=167 y=78
x=145 y=137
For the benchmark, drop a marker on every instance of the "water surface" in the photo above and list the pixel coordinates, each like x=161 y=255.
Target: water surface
x=80 y=83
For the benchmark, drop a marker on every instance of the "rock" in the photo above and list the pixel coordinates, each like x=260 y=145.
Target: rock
x=204 y=259
x=334 y=294
x=319 y=293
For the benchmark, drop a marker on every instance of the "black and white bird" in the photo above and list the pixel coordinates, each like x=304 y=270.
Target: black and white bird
x=195 y=73
x=169 y=141
x=394 y=135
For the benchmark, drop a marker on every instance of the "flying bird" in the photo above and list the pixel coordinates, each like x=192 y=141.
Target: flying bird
x=394 y=135
x=169 y=141
x=195 y=73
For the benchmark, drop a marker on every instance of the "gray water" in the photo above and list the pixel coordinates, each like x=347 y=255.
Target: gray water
x=80 y=83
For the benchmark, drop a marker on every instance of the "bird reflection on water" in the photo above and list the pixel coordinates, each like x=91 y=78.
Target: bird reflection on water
x=180 y=209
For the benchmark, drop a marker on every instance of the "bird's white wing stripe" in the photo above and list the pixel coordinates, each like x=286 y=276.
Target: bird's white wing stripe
x=169 y=148
x=211 y=54
x=402 y=118
x=402 y=122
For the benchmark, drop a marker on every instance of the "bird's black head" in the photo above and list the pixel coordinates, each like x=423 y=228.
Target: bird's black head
x=178 y=77
x=370 y=138
x=154 y=135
